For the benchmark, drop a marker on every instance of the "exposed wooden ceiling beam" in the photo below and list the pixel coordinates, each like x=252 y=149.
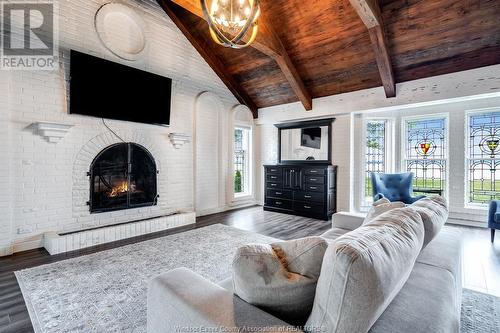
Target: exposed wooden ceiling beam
x=212 y=61
x=369 y=12
x=269 y=43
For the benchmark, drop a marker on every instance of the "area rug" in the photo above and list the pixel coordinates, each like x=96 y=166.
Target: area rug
x=106 y=291
x=480 y=313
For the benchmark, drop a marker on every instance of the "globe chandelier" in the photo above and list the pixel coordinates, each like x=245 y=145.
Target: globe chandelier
x=232 y=23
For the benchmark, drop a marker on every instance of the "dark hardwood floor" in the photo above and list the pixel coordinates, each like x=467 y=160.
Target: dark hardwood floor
x=481 y=259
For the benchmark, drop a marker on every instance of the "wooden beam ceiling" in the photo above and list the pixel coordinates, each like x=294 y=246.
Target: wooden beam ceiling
x=267 y=42
x=369 y=12
x=331 y=44
x=212 y=60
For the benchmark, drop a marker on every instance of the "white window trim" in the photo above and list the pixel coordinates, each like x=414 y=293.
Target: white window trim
x=467 y=204
x=403 y=144
x=249 y=194
x=364 y=206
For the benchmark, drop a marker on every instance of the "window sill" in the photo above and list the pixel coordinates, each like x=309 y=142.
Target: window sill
x=478 y=207
x=238 y=196
x=242 y=198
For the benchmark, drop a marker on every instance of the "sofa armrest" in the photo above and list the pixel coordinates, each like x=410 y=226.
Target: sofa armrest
x=182 y=301
x=346 y=220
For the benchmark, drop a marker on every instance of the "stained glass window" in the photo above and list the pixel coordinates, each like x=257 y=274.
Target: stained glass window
x=425 y=154
x=375 y=159
x=484 y=157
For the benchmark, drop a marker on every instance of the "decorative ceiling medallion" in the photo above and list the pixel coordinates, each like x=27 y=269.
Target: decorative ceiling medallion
x=230 y=21
x=490 y=145
x=121 y=30
x=425 y=148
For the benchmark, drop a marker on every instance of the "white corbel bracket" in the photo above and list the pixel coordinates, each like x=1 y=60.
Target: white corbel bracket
x=52 y=132
x=179 y=139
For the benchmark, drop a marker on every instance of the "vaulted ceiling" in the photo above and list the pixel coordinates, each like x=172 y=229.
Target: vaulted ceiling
x=316 y=48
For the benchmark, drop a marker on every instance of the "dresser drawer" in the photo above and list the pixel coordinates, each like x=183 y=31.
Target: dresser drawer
x=279 y=203
x=314 y=208
x=280 y=194
x=314 y=171
x=315 y=188
x=273 y=170
x=309 y=196
x=315 y=179
x=273 y=185
x=274 y=178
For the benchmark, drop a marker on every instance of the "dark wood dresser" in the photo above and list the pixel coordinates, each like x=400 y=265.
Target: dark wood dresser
x=301 y=189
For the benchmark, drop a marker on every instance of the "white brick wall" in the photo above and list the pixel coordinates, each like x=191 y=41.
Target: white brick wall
x=5 y=177
x=47 y=186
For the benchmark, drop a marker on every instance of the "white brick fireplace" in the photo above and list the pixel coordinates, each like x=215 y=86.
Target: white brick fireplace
x=45 y=184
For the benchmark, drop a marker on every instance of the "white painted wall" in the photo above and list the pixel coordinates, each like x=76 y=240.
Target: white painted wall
x=44 y=185
x=208 y=153
x=452 y=94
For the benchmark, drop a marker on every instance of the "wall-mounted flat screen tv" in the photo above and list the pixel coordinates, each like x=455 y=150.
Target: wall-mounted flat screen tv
x=105 y=89
x=311 y=137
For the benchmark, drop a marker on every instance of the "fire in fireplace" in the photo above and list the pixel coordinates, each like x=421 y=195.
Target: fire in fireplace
x=122 y=176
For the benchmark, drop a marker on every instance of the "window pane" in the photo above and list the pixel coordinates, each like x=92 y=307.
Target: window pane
x=426 y=154
x=242 y=161
x=239 y=162
x=425 y=139
x=484 y=157
x=485 y=136
x=429 y=176
x=374 y=153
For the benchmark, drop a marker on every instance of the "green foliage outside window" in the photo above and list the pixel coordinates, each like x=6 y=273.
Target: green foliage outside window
x=237 y=182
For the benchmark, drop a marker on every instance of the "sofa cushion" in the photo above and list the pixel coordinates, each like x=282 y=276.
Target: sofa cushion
x=434 y=213
x=428 y=302
x=380 y=207
x=445 y=251
x=281 y=277
x=181 y=298
x=334 y=233
x=364 y=270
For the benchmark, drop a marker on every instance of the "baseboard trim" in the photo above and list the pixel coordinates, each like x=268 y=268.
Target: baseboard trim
x=226 y=208
x=6 y=251
x=20 y=246
x=467 y=223
x=27 y=245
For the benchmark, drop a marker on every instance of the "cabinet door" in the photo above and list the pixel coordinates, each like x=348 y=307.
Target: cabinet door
x=287 y=178
x=292 y=178
x=298 y=179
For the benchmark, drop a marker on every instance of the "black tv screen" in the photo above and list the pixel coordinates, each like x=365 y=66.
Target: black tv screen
x=311 y=137
x=105 y=89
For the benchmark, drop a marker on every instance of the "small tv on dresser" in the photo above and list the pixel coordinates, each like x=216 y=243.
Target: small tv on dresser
x=304 y=181
x=105 y=89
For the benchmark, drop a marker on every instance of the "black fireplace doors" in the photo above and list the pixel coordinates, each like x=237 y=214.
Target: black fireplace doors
x=122 y=176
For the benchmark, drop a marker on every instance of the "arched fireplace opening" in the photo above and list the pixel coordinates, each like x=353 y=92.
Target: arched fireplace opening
x=122 y=176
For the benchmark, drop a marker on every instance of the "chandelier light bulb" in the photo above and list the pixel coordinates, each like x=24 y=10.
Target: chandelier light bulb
x=215 y=7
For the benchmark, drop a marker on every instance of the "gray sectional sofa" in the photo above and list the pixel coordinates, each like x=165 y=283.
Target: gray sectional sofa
x=368 y=282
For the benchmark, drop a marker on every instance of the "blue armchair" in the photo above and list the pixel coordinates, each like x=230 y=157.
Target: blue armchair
x=494 y=218
x=394 y=187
